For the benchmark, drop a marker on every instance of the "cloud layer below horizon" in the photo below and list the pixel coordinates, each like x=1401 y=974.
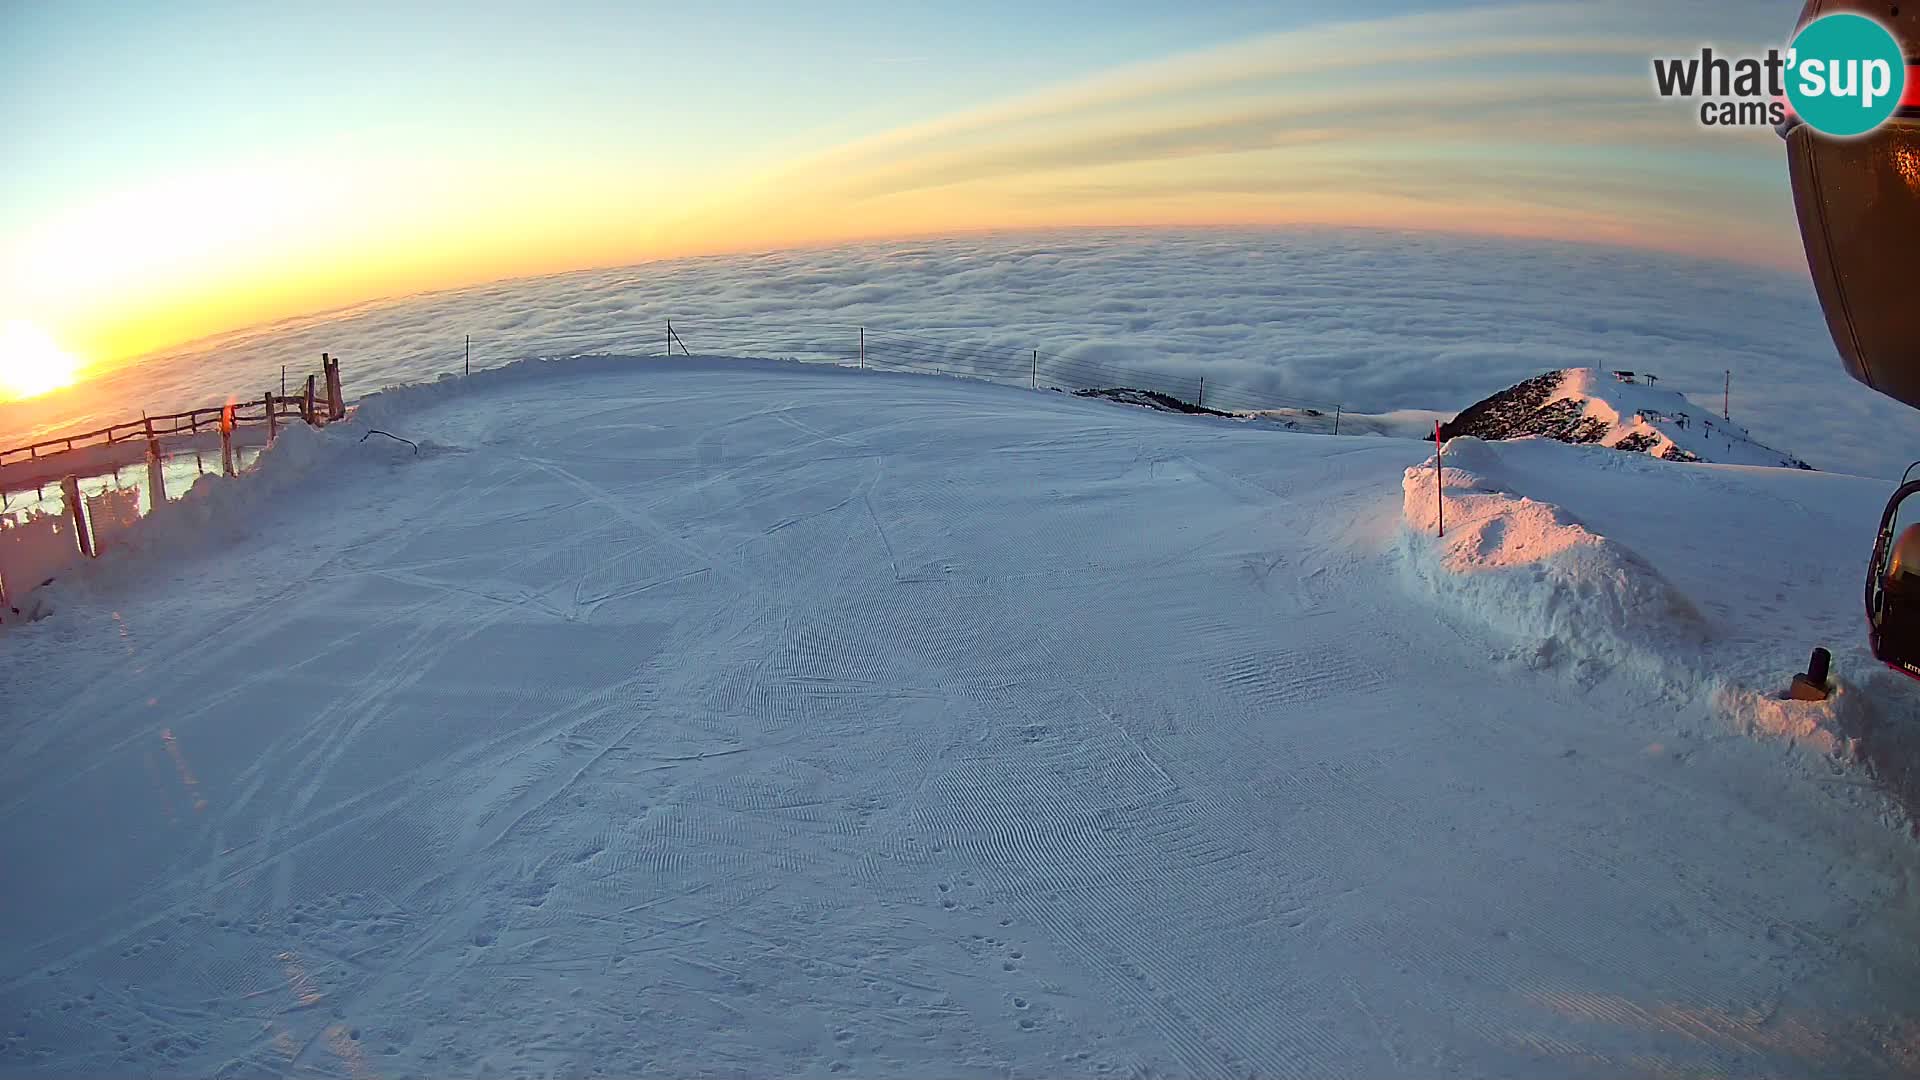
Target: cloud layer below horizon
x=1372 y=320
x=1516 y=119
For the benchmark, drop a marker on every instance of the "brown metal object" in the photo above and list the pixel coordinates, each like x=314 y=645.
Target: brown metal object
x=1858 y=201
x=1811 y=684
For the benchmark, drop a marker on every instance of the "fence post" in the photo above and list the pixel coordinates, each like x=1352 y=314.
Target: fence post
x=669 y=353
x=156 y=476
x=863 y=348
x=70 y=490
x=336 y=394
x=469 y=369
x=1033 y=379
x=1336 y=419
x=226 y=441
x=1439 y=484
x=273 y=422
x=307 y=411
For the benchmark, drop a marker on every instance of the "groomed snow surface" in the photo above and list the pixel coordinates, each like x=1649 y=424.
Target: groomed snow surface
x=743 y=719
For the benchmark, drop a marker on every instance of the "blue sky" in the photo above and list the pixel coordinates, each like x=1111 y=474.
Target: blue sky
x=177 y=169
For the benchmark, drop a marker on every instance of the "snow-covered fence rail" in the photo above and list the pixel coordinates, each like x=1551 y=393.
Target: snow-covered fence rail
x=320 y=402
x=185 y=423
x=37 y=540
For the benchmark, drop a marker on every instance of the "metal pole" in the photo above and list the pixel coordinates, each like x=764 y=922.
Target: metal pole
x=1726 y=400
x=669 y=338
x=1036 y=369
x=1203 y=392
x=283 y=380
x=469 y=354
x=1336 y=419
x=863 y=347
x=1439 y=495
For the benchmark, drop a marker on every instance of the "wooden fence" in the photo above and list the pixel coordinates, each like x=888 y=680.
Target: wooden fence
x=320 y=402
x=32 y=550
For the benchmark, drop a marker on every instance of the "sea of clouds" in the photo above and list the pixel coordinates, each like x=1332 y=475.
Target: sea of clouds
x=1374 y=321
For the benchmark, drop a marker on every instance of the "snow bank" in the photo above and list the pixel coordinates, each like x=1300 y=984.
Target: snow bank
x=1531 y=570
x=1398 y=424
x=1149 y=399
x=213 y=511
x=1704 y=585
x=110 y=514
x=218 y=507
x=1394 y=424
x=392 y=404
x=32 y=551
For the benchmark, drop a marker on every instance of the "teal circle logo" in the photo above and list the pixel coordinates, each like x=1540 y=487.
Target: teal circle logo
x=1845 y=74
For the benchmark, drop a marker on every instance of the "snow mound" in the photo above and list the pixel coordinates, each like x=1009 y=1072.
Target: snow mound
x=1393 y=424
x=1706 y=585
x=219 y=510
x=1529 y=569
x=220 y=506
x=1587 y=405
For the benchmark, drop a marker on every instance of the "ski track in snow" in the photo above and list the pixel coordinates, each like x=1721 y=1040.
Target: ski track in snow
x=764 y=722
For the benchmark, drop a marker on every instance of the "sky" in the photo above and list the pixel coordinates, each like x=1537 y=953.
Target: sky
x=179 y=170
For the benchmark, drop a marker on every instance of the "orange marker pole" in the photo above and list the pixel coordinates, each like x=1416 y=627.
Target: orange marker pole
x=226 y=440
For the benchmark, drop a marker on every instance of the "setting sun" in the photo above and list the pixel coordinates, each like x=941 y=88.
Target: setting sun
x=31 y=364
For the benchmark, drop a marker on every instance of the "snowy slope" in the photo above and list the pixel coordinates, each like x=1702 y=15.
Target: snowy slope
x=1588 y=405
x=749 y=719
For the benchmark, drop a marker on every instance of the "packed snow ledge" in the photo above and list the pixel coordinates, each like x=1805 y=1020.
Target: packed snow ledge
x=752 y=719
x=1701 y=584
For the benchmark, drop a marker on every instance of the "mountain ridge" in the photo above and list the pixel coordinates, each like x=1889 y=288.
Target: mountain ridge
x=1592 y=406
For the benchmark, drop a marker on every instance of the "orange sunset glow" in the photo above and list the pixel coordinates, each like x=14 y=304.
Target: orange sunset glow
x=1526 y=120
x=31 y=364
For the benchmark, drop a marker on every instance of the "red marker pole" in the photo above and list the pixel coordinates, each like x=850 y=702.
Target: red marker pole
x=1439 y=494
